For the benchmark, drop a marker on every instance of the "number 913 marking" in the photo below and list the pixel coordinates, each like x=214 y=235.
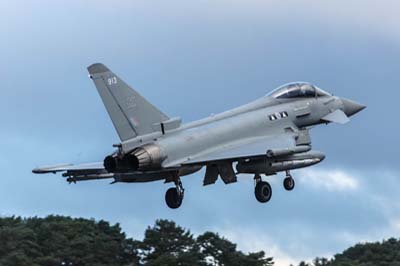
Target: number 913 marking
x=112 y=81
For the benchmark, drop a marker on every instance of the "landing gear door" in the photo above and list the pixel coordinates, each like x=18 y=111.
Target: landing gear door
x=303 y=137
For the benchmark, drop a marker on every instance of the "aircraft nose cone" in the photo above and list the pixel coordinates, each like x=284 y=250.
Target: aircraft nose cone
x=352 y=107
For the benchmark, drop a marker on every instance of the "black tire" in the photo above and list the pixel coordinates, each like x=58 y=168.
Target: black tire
x=288 y=183
x=173 y=199
x=263 y=192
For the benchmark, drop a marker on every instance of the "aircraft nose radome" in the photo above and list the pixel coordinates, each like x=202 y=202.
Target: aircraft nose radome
x=352 y=107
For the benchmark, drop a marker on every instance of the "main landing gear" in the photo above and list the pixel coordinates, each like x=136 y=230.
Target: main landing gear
x=288 y=182
x=174 y=195
x=263 y=190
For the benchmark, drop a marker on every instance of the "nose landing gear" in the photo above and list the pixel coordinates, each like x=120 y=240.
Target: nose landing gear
x=174 y=195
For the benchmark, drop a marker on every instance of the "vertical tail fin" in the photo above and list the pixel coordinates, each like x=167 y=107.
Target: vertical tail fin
x=131 y=114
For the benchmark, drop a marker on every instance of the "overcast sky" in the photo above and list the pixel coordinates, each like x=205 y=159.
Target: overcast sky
x=191 y=59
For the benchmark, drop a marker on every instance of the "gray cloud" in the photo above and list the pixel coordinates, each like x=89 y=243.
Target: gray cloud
x=212 y=57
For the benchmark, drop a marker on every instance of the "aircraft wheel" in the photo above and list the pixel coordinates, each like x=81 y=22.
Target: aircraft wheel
x=173 y=198
x=288 y=183
x=263 y=191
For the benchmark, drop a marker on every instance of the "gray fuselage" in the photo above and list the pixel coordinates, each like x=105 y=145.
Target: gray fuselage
x=249 y=121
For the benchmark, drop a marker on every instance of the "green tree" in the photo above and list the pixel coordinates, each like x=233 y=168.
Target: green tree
x=59 y=240
x=17 y=243
x=221 y=252
x=321 y=262
x=168 y=244
x=386 y=253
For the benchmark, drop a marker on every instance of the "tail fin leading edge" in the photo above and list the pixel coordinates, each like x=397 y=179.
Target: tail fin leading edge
x=131 y=114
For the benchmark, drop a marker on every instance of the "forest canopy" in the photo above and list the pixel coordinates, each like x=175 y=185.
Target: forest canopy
x=66 y=241
x=57 y=240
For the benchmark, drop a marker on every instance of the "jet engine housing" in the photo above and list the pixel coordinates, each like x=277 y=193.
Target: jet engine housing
x=149 y=156
x=146 y=157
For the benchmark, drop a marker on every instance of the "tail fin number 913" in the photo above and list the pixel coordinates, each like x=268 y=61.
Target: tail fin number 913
x=112 y=81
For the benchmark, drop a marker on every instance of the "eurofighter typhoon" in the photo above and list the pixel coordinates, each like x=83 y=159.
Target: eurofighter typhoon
x=264 y=137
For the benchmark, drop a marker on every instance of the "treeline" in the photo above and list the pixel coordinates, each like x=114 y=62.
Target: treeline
x=386 y=253
x=65 y=241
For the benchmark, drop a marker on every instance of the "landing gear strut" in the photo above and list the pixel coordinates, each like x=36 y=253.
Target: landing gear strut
x=263 y=190
x=174 y=195
x=288 y=182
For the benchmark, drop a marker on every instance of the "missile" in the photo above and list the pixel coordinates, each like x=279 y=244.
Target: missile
x=77 y=178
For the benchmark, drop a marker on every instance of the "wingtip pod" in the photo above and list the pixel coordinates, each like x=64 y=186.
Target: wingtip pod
x=97 y=68
x=50 y=169
x=37 y=171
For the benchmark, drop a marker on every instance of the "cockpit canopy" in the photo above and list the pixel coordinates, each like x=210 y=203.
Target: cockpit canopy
x=298 y=90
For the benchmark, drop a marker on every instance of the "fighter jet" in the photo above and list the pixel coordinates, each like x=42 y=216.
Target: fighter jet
x=262 y=138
